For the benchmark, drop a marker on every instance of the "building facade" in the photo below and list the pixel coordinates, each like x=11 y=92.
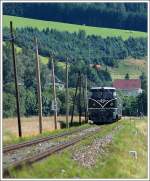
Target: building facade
x=131 y=87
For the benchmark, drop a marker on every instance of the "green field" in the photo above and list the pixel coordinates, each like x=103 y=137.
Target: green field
x=40 y=24
x=134 y=67
x=44 y=60
x=114 y=162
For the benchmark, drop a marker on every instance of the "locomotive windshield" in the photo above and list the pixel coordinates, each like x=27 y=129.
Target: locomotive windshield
x=103 y=93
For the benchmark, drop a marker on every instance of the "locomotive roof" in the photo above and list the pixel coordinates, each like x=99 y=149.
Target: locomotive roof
x=108 y=88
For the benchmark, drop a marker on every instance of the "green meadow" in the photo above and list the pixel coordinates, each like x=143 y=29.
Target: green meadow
x=134 y=67
x=20 y=22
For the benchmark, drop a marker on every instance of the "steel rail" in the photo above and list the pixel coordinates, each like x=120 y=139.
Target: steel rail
x=30 y=160
x=39 y=140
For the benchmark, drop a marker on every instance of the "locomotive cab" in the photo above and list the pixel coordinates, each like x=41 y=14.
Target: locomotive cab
x=103 y=105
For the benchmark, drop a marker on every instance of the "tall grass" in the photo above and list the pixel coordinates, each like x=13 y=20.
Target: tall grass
x=30 y=128
x=115 y=162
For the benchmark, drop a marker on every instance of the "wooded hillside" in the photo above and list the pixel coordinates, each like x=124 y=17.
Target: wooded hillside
x=132 y=16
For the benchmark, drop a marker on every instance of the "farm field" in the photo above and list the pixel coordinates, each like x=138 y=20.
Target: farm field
x=134 y=67
x=112 y=161
x=20 y=22
x=30 y=127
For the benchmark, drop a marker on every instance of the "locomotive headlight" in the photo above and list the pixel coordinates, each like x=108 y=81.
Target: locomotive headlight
x=111 y=104
x=114 y=115
x=94 y=104
x=114 y=94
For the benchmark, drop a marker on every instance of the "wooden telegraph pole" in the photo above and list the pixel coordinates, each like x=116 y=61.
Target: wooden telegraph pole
x=80 y=87
x=16 y=79
x=67 y=106
x=38 y=86
x=84 y=95
x=86 y=101
x=74 y=99
x=54 y=93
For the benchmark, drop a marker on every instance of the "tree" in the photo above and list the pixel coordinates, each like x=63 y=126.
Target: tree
x=114 y=15
x=142 y=103
x=143 y=79
x=9 y=105
x=127 y=77
x=30 y=103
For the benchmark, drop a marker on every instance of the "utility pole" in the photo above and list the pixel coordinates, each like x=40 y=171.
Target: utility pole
x=80 y=109
x=38 y=86
x=83 y=96
x=16 y=79
x=84 y=90
x=86 y=101
x=54 y=94
x=67 y=106
x=74 y=100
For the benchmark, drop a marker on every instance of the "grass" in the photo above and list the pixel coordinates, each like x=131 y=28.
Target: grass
x=62 y=65
x=30 y=128
x=114 y=163
x=134 y=67
x=44 y=60
x=18 y=49
x=40 y=24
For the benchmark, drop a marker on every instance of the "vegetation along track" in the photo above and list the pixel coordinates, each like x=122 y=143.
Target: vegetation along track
x=39 y=140
x=28 y=155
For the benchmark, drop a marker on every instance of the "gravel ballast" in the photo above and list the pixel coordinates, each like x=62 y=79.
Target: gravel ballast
x=87 y=155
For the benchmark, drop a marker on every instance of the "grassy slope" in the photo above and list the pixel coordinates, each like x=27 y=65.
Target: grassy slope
x=131 y=66
x=114 y=163
x=44 y=60
x=134 y=67
x=40 y=24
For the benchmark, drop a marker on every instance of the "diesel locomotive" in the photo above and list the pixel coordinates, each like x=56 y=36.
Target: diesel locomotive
x=104 y=106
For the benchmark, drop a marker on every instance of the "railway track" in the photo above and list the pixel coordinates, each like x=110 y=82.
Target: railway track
x=38 y=140
x=49 y=151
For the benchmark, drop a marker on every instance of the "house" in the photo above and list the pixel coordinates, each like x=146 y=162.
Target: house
x=58 y=83
x=96 y=66
x=131 y=87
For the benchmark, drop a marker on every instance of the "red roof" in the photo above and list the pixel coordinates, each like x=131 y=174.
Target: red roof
x=127 y=84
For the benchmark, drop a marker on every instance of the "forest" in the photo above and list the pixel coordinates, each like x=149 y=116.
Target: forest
x=131 y=16
x=81 y=51
x=79 y=47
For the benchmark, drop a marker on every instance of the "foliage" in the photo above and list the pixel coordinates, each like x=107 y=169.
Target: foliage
x=9 y=102
x=134 y=106
x=127 y=76
x=89 y=49
x=143 y=79
x=81 y=50
x=30 y=103
x=131 y=16
x=142 y=103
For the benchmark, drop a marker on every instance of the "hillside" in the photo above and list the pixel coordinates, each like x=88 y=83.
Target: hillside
x=20 y=22
x=112 y=52
x=134 y=67
x=117 y=56
x=129 y=16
